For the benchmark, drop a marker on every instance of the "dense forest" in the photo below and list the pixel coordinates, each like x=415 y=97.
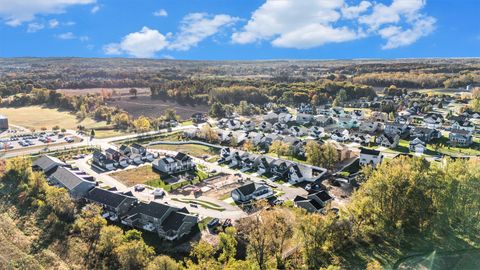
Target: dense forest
x=438 y=209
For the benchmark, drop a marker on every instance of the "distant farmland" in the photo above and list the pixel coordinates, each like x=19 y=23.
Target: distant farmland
x=144 y=105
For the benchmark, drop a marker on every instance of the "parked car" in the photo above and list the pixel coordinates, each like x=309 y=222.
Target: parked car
x=213 y=223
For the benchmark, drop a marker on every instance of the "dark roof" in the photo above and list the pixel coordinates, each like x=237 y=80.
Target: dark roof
x=322 y=195
x=137 y=146
x=67 y=178
x=181 y=156
x=109 y=198
x=153 y=209
x=460 y=131
x=369 y=151
x=111 y=151
x=247 y=189
x=46 y=163
x=173 y=221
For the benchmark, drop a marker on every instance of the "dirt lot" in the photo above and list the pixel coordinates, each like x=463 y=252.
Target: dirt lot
x=145 y=105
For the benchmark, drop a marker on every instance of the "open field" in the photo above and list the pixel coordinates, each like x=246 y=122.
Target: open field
x=146 y=175
x=113 y=91
x=145 y=105
x=41 y=117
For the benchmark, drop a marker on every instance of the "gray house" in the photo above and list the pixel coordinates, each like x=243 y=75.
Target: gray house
x=168 y=222
x=314 y=202
x=460 y=137
x=252 y=191
x=76 y=184
x=114 y=204
x=47 y=164
x=179 y=163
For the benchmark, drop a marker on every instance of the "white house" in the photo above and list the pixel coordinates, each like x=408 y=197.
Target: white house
x=348 y=122
x=357 y=114
x=370 y=157
x=417 y=146
x=388 y=140
x=265 y=126
x=284 y=118
x=298 y=131
x=433 y=120
x=248 y=125
x=316 y=132
x=251 y=191
x=341 y=136
x=303 y=118
x=369 y=126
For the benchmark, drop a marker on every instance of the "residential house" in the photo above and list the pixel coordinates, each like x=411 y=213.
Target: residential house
x=337 y=112
x=138 y=149
x=396 y=128
x=279 y=128
x=124 y=150
x=279 y=168
x=460 y=137
x=463 y=125
x=170 y=165
x=233 y=124
x=316 y=132
x=433 y=120
x=314 y=202
x=298 y=173
x=114 y=204
x=239 y=137
x=271 y=117
x=248 y=125
x=76 y=183
x=472 y=115
x=298 y=131
x=262 y=164
x=369 y=126
x=370 y=157
x=348 y=122
x=303 y=118
x=376 y=116
x=417 y=145
x=425 y=134
x=363 y=139
x=255 y=138
x=340 y=136
x=168 y=222
x=284 y=118
x=102 y=161
x=323 y=120
x=250 y=192
x=265 y=126
x=344 y=152
x=388 y=140
x=47 y=164
x=357 y=114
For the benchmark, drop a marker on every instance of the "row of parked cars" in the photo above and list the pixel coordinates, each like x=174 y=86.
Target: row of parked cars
x=32 y=139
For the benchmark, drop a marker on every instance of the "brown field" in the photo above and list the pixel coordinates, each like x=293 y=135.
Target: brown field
x=40 y=117
x=139 y=175
x=119 y=91
x=144 y=105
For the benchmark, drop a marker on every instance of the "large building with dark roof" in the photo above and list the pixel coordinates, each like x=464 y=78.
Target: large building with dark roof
x=47 y=164
x=114 y=204
x=76 y=184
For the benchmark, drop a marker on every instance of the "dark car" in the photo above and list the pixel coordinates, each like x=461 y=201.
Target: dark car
x=227 y=223
x=213 y=223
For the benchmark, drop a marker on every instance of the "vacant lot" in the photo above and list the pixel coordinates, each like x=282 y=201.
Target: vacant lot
x=190 y=149
x=38 y=117
x=146 y=175
x=145 y=105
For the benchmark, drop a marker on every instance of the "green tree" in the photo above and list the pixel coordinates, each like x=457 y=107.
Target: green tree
x=227 y=245
x=163 y=263
x=328 y=156
x=313 y=153
x=216 y=110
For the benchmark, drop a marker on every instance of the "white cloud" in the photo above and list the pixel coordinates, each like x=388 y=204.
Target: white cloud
x=196 y=27
x=16 y=12
x=95 y=9
x=84 y=38
x=53 y=23
x=314 y=35
x=66 y=36
x=160 y=13
x=352 y=12
x=397 y=37
x=311 y=23
x=34 y=27
x=143 y=44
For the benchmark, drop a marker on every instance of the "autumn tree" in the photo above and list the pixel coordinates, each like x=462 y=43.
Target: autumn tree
x=328 y=156
x=313 y=153
x=142 y=124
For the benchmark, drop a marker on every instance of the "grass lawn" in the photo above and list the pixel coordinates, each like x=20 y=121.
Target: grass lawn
x=38 y=117
x=187 y=123
x=108 y=133
x=191 y=149
x=146 y=175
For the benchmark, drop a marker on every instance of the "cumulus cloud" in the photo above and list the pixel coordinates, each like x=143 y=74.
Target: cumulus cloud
x=352 y=12
x=160 y=13
x=311 y=23
x=142 y=44
x=16 y=12
x=53 y=23
x=196 y=27
x=146 y=43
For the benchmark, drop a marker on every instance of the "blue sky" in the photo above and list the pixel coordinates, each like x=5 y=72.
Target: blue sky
x=240 y=29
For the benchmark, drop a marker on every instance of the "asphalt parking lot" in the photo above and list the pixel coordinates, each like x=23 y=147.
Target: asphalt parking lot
x=19 y=141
